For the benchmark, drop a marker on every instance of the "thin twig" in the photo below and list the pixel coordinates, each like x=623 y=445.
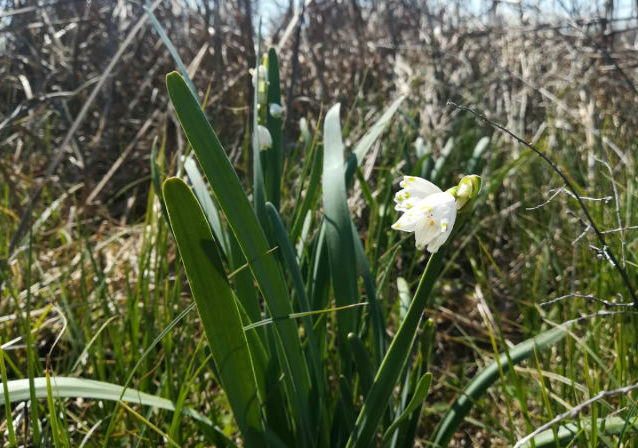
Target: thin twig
x=574 y=411
x=607 y=303
x=601 y=313
x=570 y=186
x=617 y=204
x=557 y=191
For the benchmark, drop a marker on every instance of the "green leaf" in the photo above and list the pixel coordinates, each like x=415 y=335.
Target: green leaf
x=207 y=204
x=171 y=48
x=363 y=146
x=290 y=261
x=376 y=313
x=337 y=222
x=567 y=432
x=395 y=359
x=437 y=171
x=66 y=387
x=275 y=153
x=485 y=378
x=475 y=162
x=250 y=235
x=216 y=306
x=422 y=389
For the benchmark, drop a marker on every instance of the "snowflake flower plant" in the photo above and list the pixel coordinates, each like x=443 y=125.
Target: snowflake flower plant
x=429 y=212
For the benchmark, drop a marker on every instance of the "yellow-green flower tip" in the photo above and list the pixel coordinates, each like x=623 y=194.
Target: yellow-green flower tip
x=466 y=191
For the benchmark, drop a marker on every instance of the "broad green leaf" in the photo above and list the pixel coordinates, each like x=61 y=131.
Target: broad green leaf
x=283 y=241
x=485 y=378
x=337 y=222
x=241 y=218
x=362 y=363
x=216 y=306
x=244 y=288
x=310 y=196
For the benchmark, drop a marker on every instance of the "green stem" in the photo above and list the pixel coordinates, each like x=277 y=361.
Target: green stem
x=379 y=396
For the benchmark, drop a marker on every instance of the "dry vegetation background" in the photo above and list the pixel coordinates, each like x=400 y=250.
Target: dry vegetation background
x=82 y=96
x=511 y=61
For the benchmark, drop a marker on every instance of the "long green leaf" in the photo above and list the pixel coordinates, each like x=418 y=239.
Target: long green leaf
x=363 y=146
x=207 y=204
x=376 y=313
x=216 y=305
x=171 y=48
x=66 y=387
x=338 y=225
x=249 y=234
x=275 y=153
x=567 y=432
x=485 y=378
x=422 y=389
x=395 y=359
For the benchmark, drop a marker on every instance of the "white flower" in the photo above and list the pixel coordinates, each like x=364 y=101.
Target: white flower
x=275 y=110
x=427 y=211
x=263 y=138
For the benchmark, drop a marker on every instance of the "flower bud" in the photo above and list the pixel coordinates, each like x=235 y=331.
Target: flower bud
x=263 y=137
x=260 y=83
x=467 y=190
x=275 y=110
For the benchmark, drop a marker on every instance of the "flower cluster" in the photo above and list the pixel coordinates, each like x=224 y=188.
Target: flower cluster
x=429 y=212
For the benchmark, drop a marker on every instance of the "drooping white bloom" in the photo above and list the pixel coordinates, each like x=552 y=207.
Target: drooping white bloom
x=275 y=110
x=263 y=137
x=427 y=211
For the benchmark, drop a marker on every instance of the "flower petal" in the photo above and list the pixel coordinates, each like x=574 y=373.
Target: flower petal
x=408 y=221
x=418 y=187
x=425 y=232
x=413 y=188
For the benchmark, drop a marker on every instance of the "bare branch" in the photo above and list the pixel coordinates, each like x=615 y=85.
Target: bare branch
x=575 y=410
x=607 y=303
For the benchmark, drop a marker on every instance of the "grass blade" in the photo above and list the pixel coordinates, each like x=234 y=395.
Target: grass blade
x=7 y=400
x=216 y=306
